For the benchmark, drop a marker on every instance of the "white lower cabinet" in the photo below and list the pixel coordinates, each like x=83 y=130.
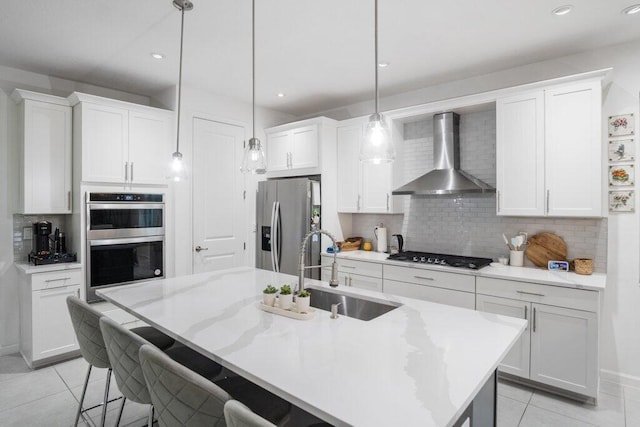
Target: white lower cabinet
x=560 y=346
x=431 y=285
x=359 y=274
x=46 y=333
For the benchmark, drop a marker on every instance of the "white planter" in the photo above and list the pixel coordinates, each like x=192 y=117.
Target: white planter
x=269 y=299
x=303 y=304
x=285 y=301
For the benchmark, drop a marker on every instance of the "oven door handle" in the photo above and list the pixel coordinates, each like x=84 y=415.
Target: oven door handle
x=124 y=206
x=106 y=242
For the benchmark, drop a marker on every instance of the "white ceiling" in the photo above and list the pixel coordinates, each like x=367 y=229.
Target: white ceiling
x=320 y=53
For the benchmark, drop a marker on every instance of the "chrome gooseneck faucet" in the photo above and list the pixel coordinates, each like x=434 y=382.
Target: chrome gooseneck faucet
x=303 y=249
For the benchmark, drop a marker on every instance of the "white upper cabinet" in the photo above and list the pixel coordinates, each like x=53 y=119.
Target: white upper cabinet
x=293 y=149
x=45 y=153
x=362 y=187
x=548 y=152
x=520 y=154
x=573 y=153
x=120 y=142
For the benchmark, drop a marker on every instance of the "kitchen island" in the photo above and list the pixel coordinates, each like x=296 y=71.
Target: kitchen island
x=420 y=364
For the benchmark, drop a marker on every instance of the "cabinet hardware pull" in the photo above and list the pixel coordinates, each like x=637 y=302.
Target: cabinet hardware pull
x=387 y=202
x=498 y=200
x=78 y=292
x=350 y=281
x=57 y=280
x=131 y=171
x=347 y=266
x=530 y=293
x=547 y=201
x=525 y=314
x=534 y=319
x=424 y=277
x=68 y=200
x=126 y=171
x=200 y=248
x=358 y=202
x=346 y=280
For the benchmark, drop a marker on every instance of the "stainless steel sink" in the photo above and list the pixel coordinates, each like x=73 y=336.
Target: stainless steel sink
x=350 y=305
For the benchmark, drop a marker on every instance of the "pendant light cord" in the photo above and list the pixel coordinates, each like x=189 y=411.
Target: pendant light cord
x=253 y=66
x=180 y=81
x=376 y=49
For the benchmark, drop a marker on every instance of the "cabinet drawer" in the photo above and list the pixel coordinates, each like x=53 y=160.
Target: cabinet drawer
x=55 y=279
x=579 y=299
x=439 y=279
x=431 y=293
x=363 y=268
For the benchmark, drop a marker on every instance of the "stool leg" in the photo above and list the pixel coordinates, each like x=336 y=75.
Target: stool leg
x=106 y=398
x=124 y=399
x=84 y=391
x=150 y=421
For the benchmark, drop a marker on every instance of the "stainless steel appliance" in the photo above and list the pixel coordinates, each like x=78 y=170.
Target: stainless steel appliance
x=446 y=176
x=287 y=209
x=473 y=263
x=125 y=239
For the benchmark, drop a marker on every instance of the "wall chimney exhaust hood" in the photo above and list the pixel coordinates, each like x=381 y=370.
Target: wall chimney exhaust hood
x=446 y=177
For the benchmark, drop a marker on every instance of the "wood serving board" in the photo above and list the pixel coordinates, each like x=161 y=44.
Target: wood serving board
x=544 y=247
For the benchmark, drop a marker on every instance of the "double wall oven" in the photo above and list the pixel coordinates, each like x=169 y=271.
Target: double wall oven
x=125 y=239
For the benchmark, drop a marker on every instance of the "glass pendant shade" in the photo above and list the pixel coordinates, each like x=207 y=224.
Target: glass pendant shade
x=377 y=146
x=177 y=169
x=253 y=160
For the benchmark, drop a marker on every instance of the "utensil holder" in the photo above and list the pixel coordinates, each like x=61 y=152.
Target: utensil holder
x=516 y=258
x=583 y=266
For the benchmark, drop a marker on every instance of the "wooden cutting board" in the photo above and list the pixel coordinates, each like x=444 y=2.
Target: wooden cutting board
x=544 y=247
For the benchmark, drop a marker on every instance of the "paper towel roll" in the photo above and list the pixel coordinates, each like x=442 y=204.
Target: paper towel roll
x=381 y=237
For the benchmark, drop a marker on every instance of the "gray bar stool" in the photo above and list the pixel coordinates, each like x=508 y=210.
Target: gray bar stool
x=238 y=415
x=182 y=397
x=85 y=321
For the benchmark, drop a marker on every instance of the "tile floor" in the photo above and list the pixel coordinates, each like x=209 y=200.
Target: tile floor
x=49 y=397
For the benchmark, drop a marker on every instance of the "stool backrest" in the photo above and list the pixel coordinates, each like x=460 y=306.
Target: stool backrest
x=238 y=415
x=85 y=321
x=179 y=395
x=123 y=348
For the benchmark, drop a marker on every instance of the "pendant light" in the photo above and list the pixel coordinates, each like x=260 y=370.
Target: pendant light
x=377 y=146
x=253 y=159
x=178 y=170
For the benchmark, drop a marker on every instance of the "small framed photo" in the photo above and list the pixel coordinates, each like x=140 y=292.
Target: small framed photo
x=558 y=265
x=621 y=175
x=622 y=201
x=621 y=125
x=622 y=150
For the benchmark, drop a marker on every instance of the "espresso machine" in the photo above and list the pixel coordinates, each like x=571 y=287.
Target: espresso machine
x=41 y=232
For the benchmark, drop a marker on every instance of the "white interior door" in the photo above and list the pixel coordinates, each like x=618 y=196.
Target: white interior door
x=218 y=202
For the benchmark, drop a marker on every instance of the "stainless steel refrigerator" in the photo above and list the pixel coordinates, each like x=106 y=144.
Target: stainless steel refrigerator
x=287 y=209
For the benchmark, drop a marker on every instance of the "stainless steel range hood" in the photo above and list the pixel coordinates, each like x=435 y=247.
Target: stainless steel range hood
x=446 y=177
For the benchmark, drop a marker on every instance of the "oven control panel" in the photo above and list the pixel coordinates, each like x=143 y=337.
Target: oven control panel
x=125 y=197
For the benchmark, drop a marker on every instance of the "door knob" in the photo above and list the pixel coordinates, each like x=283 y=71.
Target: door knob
x=200 y=248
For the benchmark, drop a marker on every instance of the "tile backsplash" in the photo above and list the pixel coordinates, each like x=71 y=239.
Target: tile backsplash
x=468 y=224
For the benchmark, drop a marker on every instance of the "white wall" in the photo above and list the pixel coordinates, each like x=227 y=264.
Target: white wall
x=620 y=320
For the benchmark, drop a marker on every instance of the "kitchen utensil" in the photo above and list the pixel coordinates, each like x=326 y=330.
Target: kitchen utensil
x=514 y=243
x=506 y=242
x=520 y=239
x=544 y=247
x=400 y=241
x=381 y=236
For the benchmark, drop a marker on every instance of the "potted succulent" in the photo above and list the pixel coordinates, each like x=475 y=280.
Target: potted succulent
x=302 y=301
x=269 y=295
x=285 y=299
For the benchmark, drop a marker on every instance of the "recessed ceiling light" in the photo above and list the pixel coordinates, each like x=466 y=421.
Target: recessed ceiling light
x=156 y=55
x=631 y=10
x=280 y=95
x=562 y=10
x=383 y=64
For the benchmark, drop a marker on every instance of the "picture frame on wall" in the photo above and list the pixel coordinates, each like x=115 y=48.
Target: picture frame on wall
x=621 y=175
x=622 y=201
x=622 y=150
x=621 y=125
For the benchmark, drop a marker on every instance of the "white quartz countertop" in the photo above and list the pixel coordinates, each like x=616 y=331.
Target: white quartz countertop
x=420 y=364
x=594 y=282
x=28 y=268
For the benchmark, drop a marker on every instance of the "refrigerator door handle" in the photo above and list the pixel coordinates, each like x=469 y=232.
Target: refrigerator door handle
x=275 y=231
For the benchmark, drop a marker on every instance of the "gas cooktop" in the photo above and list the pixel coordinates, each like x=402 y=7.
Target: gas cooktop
x=441 y=259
